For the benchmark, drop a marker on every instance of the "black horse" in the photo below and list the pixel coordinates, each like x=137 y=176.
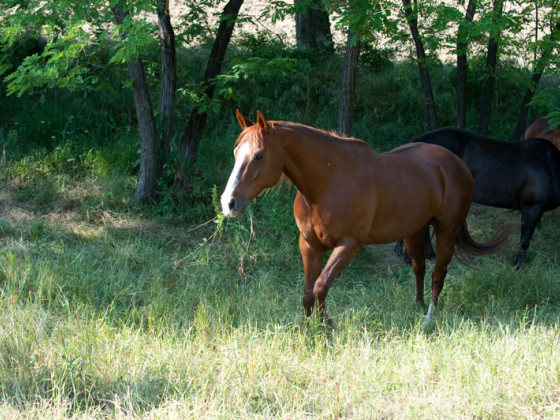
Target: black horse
x=521 y=175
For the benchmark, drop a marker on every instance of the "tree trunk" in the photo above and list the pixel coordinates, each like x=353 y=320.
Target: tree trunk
x=540 y=66
x=313 y=28
x=147 y=130
x=348 y=84
x=168 y=81
x=491 y=60
x=524 y=112
x=190 y=140
x=462 y=47
x=412 y=19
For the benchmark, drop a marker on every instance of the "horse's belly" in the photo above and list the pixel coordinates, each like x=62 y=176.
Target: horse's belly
x=496 y=201
x=393 y=223
x=388 y=232
x=512 y=195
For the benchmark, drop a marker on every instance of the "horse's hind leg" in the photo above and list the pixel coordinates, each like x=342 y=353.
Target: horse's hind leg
x=415 y=247
x=428 y=249
x=445 y=246
x=530 y=217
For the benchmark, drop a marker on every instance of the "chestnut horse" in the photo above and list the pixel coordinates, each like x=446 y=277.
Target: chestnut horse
x=540 y=128
x=349 y=196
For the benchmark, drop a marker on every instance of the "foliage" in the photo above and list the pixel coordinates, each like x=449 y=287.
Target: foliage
x=79 y=49
x=521 y=37
x=60 y=62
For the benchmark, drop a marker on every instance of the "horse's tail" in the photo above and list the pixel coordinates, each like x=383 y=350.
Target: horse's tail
x=468 y=247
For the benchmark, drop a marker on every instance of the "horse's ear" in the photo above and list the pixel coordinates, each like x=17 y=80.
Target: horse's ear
x=244 y=122
x=261 y=121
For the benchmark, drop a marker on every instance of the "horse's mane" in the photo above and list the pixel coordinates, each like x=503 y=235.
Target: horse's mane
x=253 y=135
x=327 y=135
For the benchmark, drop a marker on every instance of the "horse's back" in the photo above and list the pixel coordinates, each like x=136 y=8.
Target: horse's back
x=452 y=138
x=426 y=151
x=474 y=148
x=430 y=161
x=506 y=174
x=541 y=129
x=426 y=178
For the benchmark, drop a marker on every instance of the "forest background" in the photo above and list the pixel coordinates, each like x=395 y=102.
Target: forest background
x=124 y=292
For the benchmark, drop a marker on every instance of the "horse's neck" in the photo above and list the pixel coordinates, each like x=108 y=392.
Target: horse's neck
x=312 y=159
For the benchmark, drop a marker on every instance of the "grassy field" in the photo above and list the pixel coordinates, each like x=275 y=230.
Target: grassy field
x=123 y=313
x=112 y=310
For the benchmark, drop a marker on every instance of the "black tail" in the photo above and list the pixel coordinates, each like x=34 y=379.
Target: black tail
x=468 y=247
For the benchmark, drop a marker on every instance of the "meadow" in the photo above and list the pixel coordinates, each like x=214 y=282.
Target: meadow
x=110 y=309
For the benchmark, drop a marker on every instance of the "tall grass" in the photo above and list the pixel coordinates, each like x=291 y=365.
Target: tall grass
x=112 y=310
x=112 y=313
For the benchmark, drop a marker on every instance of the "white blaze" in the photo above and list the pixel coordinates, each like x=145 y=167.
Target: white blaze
x=242 y=154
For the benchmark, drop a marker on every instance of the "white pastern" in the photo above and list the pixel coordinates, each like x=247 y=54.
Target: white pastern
x=430 y=310
x=242 y=155
x=428 y=317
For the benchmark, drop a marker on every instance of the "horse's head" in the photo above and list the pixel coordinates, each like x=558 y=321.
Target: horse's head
x=257 y=165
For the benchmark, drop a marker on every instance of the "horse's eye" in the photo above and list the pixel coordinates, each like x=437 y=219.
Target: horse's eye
x=258 y=156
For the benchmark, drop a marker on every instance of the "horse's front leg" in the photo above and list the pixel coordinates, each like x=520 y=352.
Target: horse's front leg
x=415 y=246
x=312 y=257
x=341 y=257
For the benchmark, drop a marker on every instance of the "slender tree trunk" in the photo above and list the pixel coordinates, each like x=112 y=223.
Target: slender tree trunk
x=491 y=60
x=168 y=81
x=348 y=84
x=462 y=47
x=190 y=140
x=147 y=130
x=412 y=19
x=524 y=111
x=540 y=66
x=313 y=28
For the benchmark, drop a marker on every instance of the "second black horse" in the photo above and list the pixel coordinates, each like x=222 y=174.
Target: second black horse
x=521 y=175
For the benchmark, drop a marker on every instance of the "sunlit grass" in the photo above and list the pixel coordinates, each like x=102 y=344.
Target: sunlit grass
x=78 y=364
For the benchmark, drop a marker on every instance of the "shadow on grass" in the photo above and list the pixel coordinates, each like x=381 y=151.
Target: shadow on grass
x=138 y=269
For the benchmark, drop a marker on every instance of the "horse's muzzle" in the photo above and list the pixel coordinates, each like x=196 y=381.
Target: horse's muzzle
x=232 y=206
